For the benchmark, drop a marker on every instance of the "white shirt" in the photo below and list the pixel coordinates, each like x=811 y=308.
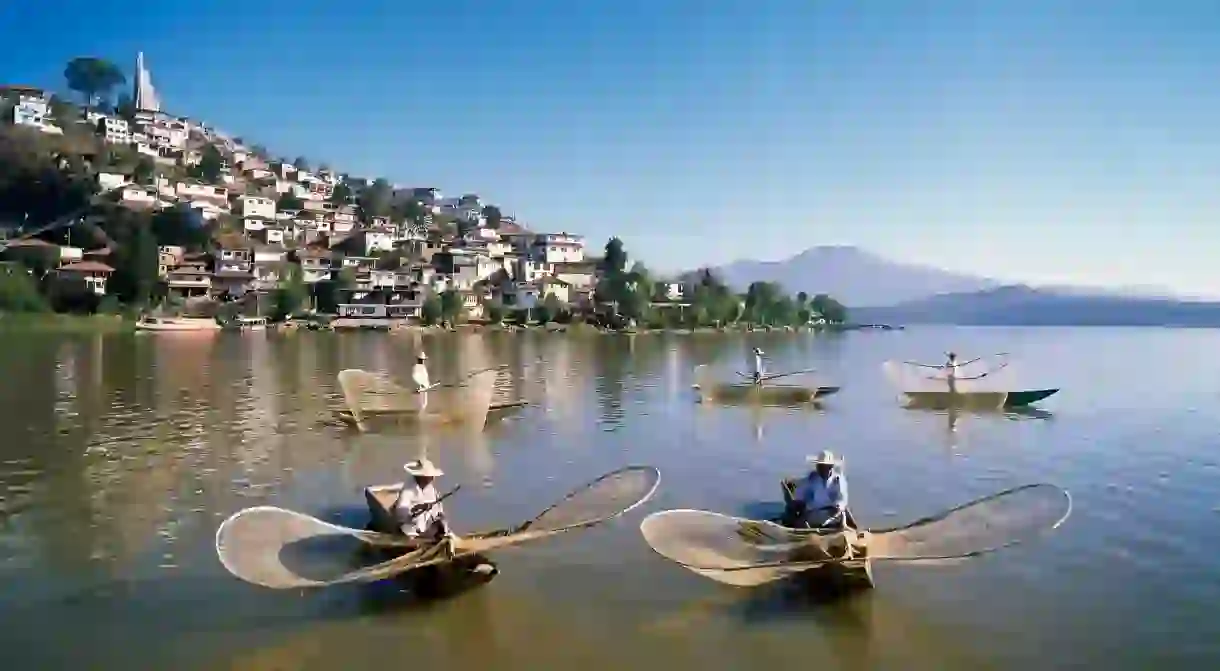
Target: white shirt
x=758 y=364
x=413 y=495
x=419 y=375
x=829 y=493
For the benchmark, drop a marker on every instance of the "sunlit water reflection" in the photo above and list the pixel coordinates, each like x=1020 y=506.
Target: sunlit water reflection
x=123 y=453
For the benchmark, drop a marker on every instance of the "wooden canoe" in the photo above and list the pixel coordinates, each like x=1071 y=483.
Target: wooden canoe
x=975 y=400
x=448 y=578
x=852 y=573
x=748 y=392
x=494 y=410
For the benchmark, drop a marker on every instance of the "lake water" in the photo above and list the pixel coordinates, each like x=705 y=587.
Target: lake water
x=122 y=454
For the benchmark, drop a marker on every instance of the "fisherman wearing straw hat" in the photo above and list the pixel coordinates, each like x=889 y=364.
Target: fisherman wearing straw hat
x=419 y=373
x=419 y=512
x=758 y=366
x=824 y=492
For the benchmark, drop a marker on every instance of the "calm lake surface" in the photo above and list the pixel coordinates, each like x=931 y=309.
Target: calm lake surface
x=122 y=454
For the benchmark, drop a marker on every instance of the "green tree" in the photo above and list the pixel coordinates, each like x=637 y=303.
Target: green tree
x=145 y=171
x=42 y=178
x=260 y=151
x=493 y=312
x=493 y=216
x=93 y=78
x=300 y=163
x=833 y=311
x=135 y=259
x=341 y=195
x=291 y=293
x=210 y=165
x=346 y=278
x=125 y=108
x=551 y=308
x=377 y=199
x=614 y=260
x=19 y=292
x=451 y=305
x=287 y=201
x=430 y=312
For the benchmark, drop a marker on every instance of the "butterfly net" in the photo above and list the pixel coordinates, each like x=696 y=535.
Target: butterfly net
x=369 y=396
x=747 y=552
x=721 y=546
x=282 y=549
x=982 y=383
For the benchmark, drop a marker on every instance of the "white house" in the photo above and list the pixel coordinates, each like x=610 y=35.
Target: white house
x=559 y=248
x=107 y=181
x=254 y=224
x=33 y=111
x=134 y=196
x=166 y=136
x=114 y=131
x=256 y=206
x=375 y=241
x=146 y=149
x=197 y=190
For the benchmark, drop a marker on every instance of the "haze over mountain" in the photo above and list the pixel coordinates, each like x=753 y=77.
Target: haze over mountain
x=852 y=275
x=1025 y=306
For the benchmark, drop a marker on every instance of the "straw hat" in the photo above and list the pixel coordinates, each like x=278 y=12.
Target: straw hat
x=825 y=458
x=758 y=351
x=421 y=356
x=422 y=468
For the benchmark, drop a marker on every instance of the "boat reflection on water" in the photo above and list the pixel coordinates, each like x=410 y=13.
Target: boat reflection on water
x=853 y=630
x=953 y=417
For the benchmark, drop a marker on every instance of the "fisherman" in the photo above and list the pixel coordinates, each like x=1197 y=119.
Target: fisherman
x=952 y=371
x=758 y=366
x=419 y=373
x=418 y=511
x=824 y=493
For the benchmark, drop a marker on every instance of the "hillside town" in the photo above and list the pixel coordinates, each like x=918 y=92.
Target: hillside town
x=355 y=249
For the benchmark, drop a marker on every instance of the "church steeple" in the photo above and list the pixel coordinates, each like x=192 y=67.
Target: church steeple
x=145 y=96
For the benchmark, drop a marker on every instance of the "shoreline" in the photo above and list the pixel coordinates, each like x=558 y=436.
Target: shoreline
x=58 y=322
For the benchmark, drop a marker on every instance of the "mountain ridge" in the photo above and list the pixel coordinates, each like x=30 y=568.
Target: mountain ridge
x=852 y=275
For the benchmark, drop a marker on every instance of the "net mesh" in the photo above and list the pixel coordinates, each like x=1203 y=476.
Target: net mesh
x=985 y=525
x=369 y=396
x=722 y=547
x=749 y=552
x=980 y=384
x=776 y=388
x=282 y=549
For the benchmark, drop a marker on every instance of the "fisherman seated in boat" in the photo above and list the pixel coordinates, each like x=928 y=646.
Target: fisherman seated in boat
x=758 y=366
x=417 y=509
x=821 y=499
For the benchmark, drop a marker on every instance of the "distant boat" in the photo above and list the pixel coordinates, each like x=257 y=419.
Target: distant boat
x=176 y=324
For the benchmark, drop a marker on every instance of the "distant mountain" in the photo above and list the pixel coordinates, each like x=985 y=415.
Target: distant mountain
x=853 y=276
x=1020 y=305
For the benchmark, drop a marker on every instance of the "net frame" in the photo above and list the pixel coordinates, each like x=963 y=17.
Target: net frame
x=369 y=395
x=875 y=540
x=433 y=554
x=976 y=376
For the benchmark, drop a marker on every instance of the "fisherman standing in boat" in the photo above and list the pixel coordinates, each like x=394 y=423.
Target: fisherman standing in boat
x=419 y=373
x=824 y=494
x=418 y=509
x=952 y=371
x=757 y=373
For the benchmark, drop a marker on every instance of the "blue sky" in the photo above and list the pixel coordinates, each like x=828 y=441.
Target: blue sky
x=1054 y=142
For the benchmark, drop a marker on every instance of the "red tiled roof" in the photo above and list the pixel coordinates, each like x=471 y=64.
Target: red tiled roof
x=88 y=267
x=31 y=242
